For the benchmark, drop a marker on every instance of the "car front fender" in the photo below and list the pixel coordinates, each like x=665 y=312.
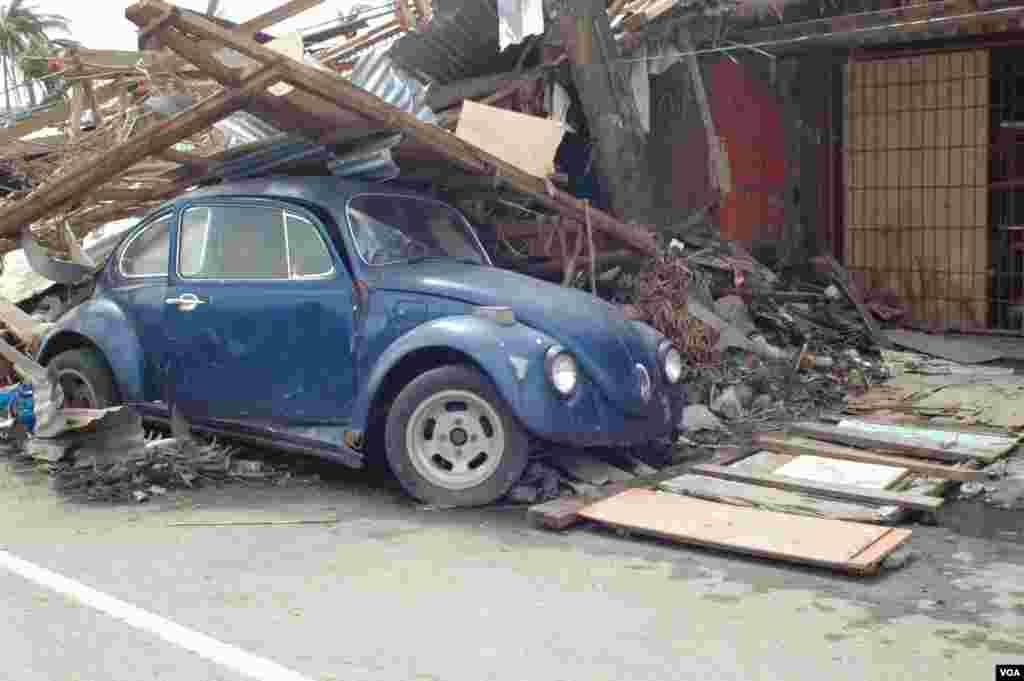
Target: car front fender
x=105 y=325
x=510 y=354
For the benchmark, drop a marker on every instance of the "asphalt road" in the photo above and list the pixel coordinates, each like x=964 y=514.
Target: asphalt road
x=394 y=592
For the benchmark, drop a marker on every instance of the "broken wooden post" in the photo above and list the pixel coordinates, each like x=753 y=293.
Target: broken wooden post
x=84 y=178
x=611 y=113
x=277 y=15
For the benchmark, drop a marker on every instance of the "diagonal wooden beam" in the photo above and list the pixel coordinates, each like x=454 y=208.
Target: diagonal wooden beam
x=345 y=95
x=277 y=15
x=86 y=177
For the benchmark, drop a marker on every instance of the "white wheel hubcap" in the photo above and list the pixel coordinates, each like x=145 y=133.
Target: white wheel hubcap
x=455 y=439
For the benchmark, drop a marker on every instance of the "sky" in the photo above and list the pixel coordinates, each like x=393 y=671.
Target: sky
x=100 y=24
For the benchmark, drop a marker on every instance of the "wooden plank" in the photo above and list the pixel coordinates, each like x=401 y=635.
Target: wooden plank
x=527 y=142
x=24 y=327
x=277 y=15
x=799 y=445
x=780 y=536
x=771 y=499
x=82 y=179
x=75 y=113
x=557 y=514
x=842 y=472
x=905 y=440
x=868 y=560
x=916 y=502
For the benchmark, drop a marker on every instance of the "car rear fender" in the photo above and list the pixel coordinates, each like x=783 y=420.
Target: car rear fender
x=103 y=324
x=504 y=352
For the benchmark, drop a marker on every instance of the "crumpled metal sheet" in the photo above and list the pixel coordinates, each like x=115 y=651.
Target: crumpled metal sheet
x=376 y=73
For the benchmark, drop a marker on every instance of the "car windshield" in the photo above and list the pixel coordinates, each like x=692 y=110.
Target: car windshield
x=395 y=229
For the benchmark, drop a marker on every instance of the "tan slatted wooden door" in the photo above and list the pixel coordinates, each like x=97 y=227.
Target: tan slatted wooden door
x=917 y=173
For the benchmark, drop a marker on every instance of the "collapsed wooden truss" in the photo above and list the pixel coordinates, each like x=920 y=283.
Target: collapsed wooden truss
x=286 y=93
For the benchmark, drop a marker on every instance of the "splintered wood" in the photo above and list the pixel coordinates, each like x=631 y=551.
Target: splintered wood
x=836 y=544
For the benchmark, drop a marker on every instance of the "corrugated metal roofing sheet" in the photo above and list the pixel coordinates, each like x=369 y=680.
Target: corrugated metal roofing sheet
x=452 y=48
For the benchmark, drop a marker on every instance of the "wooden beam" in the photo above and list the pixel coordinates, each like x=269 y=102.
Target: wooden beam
x=917 y=502
x=91 y=103
x=84 y=178
x=277 y=15
x=345 y=95
x=365 y=41
x=799 y=446
x=75 y=114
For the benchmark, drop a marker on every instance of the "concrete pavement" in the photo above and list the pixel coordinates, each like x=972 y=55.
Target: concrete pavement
x=392 y=591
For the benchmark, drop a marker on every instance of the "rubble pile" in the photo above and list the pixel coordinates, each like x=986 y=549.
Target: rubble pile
x=763 y=348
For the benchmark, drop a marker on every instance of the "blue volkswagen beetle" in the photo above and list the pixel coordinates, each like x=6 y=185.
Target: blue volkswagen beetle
x=342 y=319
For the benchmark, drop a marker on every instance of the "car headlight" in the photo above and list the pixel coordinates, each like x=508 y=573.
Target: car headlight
x=561 y=371
x=671 y=361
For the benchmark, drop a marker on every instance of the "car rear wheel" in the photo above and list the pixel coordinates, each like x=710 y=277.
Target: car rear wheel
x=452 y=441
x=85 y=378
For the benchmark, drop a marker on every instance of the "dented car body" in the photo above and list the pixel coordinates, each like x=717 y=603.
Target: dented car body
x=333 y=317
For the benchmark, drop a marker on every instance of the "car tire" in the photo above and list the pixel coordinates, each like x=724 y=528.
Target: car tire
x=86 y=379
x=451 y=440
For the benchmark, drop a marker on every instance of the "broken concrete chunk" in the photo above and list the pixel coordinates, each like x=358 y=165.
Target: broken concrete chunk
x=733 y=310
x=698 y=417
x=728 y=404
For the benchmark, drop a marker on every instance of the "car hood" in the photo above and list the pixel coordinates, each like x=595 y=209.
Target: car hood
x=606 y=345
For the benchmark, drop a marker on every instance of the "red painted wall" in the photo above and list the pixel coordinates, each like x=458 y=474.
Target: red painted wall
x=748 y=118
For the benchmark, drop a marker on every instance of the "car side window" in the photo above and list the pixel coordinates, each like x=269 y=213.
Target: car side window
x=250 y=242
x=308 y=255
x=233 y=242
x=147 y=252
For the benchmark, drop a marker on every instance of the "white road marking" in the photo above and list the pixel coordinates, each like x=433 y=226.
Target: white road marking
x=205 y=646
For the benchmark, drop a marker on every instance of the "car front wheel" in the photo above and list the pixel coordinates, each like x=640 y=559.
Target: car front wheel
x=452 y=441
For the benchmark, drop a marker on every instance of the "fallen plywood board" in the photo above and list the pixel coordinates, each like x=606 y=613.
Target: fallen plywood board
x=770 y=499
x=961 y=350
x=836 y=544
x=800 y=445
x=842 y=472
x=527 y=142
x=916 y=502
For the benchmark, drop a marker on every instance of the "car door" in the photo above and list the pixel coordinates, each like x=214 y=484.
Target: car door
x=138 y=278
x=258 y=316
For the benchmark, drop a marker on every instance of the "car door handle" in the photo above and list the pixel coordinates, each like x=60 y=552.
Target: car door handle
x=186 y=302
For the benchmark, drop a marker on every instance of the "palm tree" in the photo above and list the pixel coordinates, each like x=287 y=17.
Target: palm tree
x=34 y=64
x=19 y=25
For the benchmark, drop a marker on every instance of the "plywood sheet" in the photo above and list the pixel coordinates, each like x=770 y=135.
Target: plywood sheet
x=831 y=543
x=917 y=159
x=527 y=142
x=840 y=472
